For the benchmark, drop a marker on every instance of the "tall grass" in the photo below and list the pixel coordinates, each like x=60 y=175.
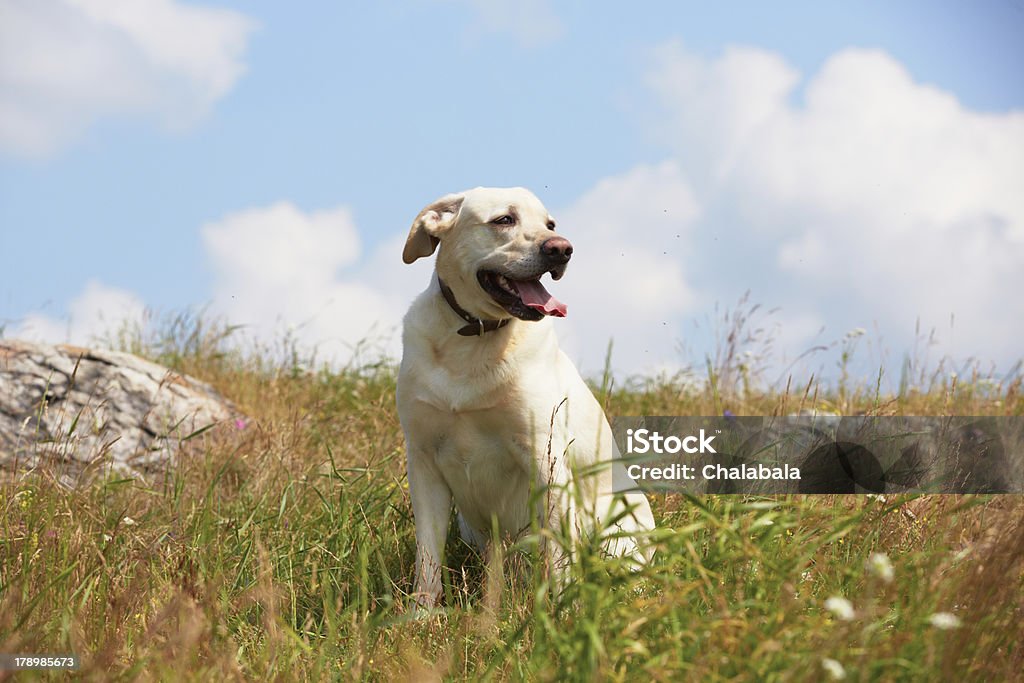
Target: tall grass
x=283 y=549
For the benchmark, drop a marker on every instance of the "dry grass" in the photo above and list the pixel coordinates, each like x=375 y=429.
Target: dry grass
x=284 y=550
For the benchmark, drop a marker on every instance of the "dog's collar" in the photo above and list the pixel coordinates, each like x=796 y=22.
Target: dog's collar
x=476 y=326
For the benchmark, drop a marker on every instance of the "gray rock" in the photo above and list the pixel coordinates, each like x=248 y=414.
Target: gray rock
x=88 y=411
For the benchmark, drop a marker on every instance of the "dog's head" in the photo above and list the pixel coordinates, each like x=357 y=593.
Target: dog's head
x=495 y=245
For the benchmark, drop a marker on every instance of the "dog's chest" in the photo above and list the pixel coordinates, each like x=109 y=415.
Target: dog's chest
x=486 y=463
x=478 y=439
x=482 y=440
x=486 y=386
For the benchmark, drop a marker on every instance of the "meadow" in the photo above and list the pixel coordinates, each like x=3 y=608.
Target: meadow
x=281 y=548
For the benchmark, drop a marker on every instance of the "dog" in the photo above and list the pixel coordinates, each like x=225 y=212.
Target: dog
x=491 y=408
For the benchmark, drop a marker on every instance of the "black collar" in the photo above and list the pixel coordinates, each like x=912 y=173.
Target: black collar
x=476 y=326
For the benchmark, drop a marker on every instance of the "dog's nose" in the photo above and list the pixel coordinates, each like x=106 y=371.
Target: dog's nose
x=557 y=249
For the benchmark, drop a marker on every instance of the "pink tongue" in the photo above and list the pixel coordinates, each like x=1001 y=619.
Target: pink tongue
x=536 y=297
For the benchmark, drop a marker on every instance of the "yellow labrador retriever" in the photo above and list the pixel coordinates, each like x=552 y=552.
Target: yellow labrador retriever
x=490 y=407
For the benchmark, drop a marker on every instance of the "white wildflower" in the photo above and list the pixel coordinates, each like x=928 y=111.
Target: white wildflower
x=128 y=521
x=856 y=332
x=840 y=607
x=834 y=669
x=880 y=566
x=945 y=621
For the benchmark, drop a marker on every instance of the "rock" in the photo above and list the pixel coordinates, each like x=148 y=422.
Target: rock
x=88 y=411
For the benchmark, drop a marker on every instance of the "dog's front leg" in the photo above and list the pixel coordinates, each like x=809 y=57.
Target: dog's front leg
x=431 y=509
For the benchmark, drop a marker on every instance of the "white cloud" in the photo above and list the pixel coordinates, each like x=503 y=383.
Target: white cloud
x=712 y=108
x=631 y=235
x=66 y=63
x=279 y=270
x=874 y=197
x=97 y=312
x=530 y=22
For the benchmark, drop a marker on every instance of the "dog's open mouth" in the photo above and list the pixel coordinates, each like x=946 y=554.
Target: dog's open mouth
x=524 y=299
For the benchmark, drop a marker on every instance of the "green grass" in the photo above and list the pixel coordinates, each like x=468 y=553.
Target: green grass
x=284 y=550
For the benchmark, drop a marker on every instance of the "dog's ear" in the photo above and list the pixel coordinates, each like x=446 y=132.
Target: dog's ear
x=432 y=222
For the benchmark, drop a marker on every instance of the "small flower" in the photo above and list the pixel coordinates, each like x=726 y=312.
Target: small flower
x=107 y=538
x=944 y=621
x=876 y=496
x=24 y=498
x=856 y=332
x=241 y=424
x=128 y=521
x=880 y=566
x=834 y=669
x=840 y=607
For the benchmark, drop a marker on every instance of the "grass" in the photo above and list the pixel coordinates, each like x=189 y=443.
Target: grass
x=284 y=550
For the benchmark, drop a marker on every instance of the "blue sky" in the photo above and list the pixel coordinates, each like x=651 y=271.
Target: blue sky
x=170 y=148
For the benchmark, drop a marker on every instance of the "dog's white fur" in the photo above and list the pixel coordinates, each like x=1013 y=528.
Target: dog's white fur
x=487 y=417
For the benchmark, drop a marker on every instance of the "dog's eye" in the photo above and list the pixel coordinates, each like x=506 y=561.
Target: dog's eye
x=504 y=220
x=551 y=225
